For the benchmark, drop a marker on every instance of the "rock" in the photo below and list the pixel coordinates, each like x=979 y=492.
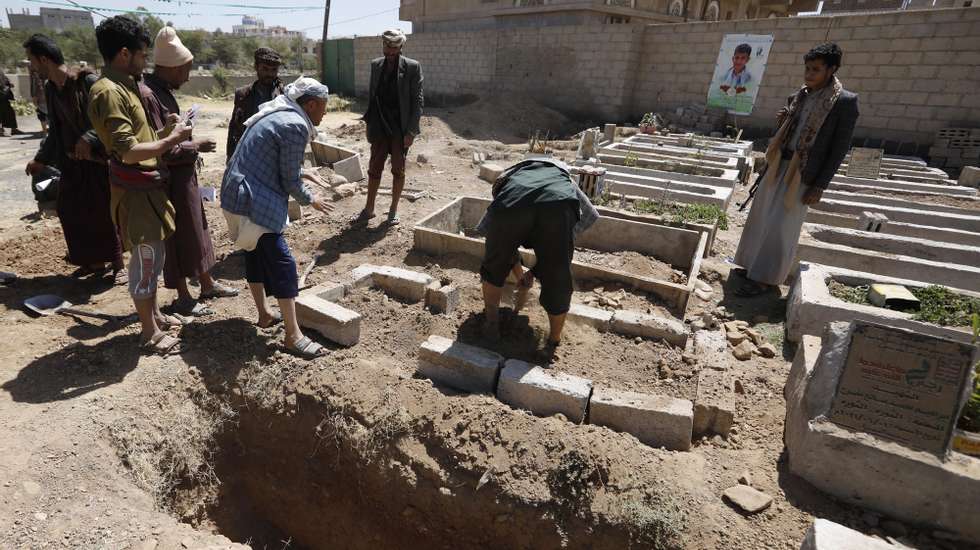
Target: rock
x=421 y=159
x=689 y=358
x=187 y=542
x=345 y=190
x=703 y=295
x=745 y=479
x=744 y=351
x=337 y=179
x=755 y=336
x=40 y=516
x=737 y=338
x=739 y=388
x=748 y=499
x=722 y=313
x=701 y=285
x=767 y=350
x=894 y=528
x=709 y=320
x=697 y=325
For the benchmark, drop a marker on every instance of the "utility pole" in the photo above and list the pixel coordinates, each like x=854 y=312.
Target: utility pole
x=323 y=44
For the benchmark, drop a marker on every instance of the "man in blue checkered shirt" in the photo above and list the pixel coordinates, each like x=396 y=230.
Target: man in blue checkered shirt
x=267 y=169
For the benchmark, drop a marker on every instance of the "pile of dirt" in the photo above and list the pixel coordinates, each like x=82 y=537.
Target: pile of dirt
x=510 y=121
x=632 y=262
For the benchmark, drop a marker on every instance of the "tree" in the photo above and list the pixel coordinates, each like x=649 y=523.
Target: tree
x=227 y=50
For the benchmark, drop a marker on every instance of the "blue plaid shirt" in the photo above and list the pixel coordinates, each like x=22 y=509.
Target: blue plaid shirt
x=266 y=170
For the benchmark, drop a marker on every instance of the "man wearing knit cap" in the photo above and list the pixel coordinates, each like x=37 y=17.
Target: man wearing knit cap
x=189 y=251
x=392 y=117
x=266 y=87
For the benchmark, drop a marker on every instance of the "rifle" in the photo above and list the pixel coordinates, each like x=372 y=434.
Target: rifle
x=753 y=189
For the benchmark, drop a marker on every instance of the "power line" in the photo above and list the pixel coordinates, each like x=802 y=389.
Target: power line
x=251 y=7
x=335 y=23
x=97 y=9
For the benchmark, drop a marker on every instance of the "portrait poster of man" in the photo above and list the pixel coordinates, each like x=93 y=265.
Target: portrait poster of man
x=738 y=72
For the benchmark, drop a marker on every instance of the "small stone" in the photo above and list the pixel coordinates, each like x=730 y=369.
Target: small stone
x=40 y=516
x=638 y=340
x=561 y=417
x=701 y=285
x=421 y=159
x=445 y=491
x=703 y=295
x=739 y=388
x=186 y=543
x=755 y=336
x=745 y=479
x=744 y=351
x=697 y=325
x=767 y=350
x=737 y=338
x=894 y=528
x=689 y=358
x=748 y=499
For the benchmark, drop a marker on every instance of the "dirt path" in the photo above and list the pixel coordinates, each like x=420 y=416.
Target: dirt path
x=103 y=448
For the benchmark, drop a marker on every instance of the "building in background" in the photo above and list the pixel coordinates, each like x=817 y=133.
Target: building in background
x=838 y=7
x=255 y=26
x=52 y=19
x=457 y=15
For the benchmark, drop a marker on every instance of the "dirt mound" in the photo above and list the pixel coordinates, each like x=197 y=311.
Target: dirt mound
x=497 y=119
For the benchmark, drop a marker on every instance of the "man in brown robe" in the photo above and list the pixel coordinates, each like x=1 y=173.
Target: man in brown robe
x=73 y=147
x=190 y=252
x=248 y=98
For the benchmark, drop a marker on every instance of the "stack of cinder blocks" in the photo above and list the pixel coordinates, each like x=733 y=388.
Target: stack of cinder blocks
x=655 y=420
x=955 y=148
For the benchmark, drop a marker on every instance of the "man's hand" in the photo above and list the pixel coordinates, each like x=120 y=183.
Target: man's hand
x=527 y=280
x=33 y=167
x=173 y=119
x=812 y=195
x=180 y=134
x=312 y=176
x=83 y=150
x=206 y=145
x=322 y=205
x=409 y=140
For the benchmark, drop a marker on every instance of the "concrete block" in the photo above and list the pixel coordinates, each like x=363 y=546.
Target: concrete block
x=633 y=323
x=609 y=132
x=714 y=405
x=294 y=210
x=442 y=299
x=328 y=291
x=489 y=172
x=656 y=420
x=457 y=365
x=337 y=324
x=711 y=349
x=969 y=177
x=827 y=535
x=544 y=393
x=398 y=282
x=598 y=319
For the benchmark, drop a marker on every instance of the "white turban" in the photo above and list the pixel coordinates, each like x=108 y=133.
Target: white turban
x=302 y=86
x=394 y=37
x=169 y=51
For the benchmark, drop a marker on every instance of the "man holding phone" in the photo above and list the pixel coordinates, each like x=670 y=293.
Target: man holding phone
x=190 y=252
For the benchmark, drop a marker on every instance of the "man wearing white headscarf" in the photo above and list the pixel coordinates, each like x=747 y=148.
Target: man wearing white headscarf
x=393 y=115
x=264 y=172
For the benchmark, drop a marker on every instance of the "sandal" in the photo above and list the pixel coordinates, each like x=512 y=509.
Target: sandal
x=161 y=344
x=751 y=289
x=219 y=291
x=363 y=217
x=274 y=320
x=192 y=308
x=120 y=277
x=173 y=320
x=306 y=349
x=393 y=219
x=85 y=271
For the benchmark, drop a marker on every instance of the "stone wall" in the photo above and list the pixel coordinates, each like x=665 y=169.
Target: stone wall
x=915 y=71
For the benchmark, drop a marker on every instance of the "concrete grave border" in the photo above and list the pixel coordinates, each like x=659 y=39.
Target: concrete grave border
x=810 y=306
x=915 y=215
x=940 y=234
x=437 y=234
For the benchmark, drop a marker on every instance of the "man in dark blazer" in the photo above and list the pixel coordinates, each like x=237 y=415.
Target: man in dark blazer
x=814 y=135
x=266 y=87
x=394 y=110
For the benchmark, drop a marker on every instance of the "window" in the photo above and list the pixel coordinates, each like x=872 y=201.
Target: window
x=526 y=3
x=712 y=12
x=617 y=19
x=622 y=3
x=676 y=8
x=728 y=16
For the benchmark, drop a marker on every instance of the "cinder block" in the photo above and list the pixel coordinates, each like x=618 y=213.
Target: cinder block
x=714 y=405
x=827 y=535
x=633 y=323
x=442 y=299
x=489 y=172
x=398 y=282
x=294 y=210
x=599 y=319
x=970 y=177
x=337 y=324
x=350 y=168
x=656 y=420
x=457 y=365
x=526 y=386
x=328 y=291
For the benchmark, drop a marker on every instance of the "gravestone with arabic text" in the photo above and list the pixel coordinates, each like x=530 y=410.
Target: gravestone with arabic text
x=903 y=386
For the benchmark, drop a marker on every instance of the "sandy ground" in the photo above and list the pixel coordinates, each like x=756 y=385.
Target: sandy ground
x=85 y=419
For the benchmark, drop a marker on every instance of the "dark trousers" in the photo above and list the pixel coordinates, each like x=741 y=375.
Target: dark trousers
x=273 y=265
x=381 y=149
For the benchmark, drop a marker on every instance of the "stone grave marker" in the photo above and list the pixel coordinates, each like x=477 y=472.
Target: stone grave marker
x=903 y=386
x=865 y=162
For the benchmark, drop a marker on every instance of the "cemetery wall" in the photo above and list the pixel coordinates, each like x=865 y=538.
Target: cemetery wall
x=915 y=71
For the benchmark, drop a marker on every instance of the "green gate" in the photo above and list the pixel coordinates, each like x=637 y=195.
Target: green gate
x=338 y=65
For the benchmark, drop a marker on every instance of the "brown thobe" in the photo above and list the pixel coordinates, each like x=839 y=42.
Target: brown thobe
x=83 y=190
x=190 y=252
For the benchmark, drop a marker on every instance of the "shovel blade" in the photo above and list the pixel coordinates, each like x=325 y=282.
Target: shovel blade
x=46 y=304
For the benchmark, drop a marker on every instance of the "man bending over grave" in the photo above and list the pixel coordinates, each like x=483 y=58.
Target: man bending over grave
x=814 y=135
x=536 y=204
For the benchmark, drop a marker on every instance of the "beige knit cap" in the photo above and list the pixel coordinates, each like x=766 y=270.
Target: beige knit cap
x=169 y=51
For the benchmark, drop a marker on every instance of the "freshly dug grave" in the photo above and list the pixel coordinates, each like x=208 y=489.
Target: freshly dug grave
x=632 y=262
